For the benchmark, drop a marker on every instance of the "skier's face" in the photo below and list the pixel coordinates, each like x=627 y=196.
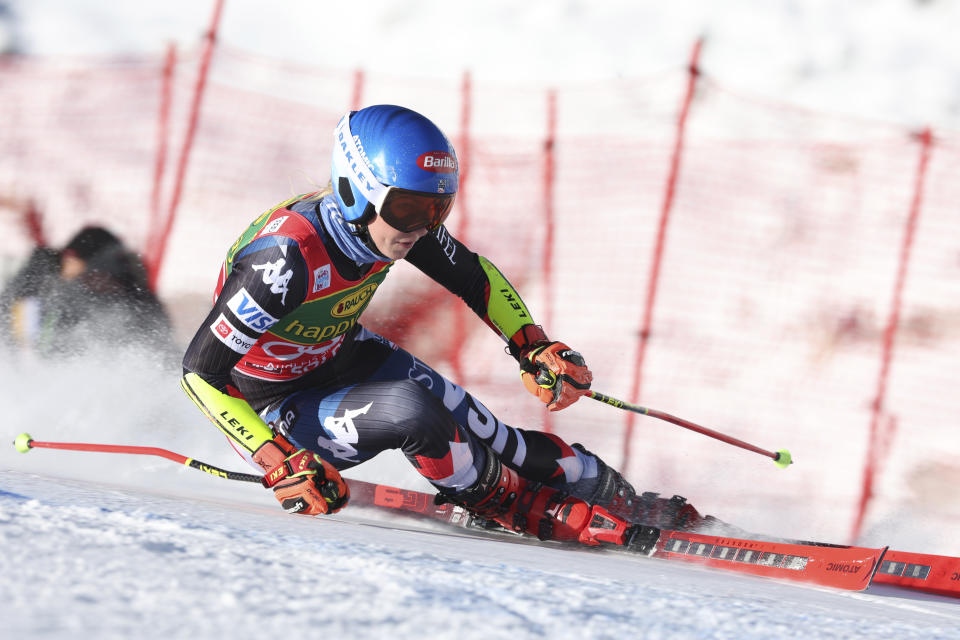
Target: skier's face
x=391 y=242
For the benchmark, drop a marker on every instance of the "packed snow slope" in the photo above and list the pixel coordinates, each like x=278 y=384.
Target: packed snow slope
x=121 y=546
x=111 y=561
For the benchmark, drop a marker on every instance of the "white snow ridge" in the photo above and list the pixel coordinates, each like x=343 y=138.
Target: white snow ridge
x=110 y=561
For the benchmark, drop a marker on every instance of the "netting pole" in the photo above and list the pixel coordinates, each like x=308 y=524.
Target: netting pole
x=33 y=220
x=155 y=264
x=875 y=448
x=463 y=215
x=654 y=277
x=549 y=169
x=358 y=81
x=160 y=162
x=546 y=268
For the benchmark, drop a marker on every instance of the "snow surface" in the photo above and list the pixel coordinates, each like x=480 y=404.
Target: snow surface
x=120 y=546
x=107 y=561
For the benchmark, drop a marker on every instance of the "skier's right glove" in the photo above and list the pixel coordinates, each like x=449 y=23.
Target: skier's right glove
x=301 y=480
x=556 y=374
x=552 y=371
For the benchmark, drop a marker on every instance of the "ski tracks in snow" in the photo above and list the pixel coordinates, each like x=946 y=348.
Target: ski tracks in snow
x=82 y=558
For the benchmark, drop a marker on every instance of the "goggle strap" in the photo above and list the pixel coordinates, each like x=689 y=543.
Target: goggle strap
x=353 y=163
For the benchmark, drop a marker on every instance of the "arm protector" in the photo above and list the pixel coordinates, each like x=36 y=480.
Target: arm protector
x=233 y=416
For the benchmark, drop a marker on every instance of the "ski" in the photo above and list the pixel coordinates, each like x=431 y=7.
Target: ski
x=840 y=567
x=849 y=568
x=913 y=571
x=921 y=572
x=409 y=502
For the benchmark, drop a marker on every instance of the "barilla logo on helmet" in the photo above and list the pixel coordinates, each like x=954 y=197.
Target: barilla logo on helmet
x=437 y=161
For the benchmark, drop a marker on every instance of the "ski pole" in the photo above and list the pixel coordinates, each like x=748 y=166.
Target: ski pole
x=24 y=443
x=781 y=458
x=364 y=493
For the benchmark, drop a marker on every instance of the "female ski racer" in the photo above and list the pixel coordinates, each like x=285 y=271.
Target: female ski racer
x=284 y=368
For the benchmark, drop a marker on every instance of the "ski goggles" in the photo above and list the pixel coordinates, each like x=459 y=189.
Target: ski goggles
x=402 y=209
x=406 y=210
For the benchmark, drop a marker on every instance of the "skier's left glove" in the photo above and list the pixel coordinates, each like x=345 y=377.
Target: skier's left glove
x=301 y=480
x=552 y=371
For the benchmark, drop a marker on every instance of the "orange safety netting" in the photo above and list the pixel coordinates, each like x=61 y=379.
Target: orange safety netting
x=805 y=272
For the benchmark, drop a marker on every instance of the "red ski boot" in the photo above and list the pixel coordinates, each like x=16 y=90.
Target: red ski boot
x=620 y=498
x=519 y=505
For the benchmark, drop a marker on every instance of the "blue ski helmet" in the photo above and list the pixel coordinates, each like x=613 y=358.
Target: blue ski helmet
x=393 y=162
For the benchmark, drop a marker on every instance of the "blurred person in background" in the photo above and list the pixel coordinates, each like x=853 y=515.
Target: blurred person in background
x=284 y=369
x=9 y=35
x=92 y=292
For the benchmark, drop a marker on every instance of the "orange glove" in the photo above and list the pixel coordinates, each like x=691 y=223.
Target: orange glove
x=301 y=480
x=555 y=373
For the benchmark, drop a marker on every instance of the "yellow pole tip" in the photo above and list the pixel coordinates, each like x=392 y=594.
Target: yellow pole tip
x=22 y=443
x=784 y=459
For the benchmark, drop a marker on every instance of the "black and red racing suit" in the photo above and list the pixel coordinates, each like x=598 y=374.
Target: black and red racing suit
x=283 y=350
